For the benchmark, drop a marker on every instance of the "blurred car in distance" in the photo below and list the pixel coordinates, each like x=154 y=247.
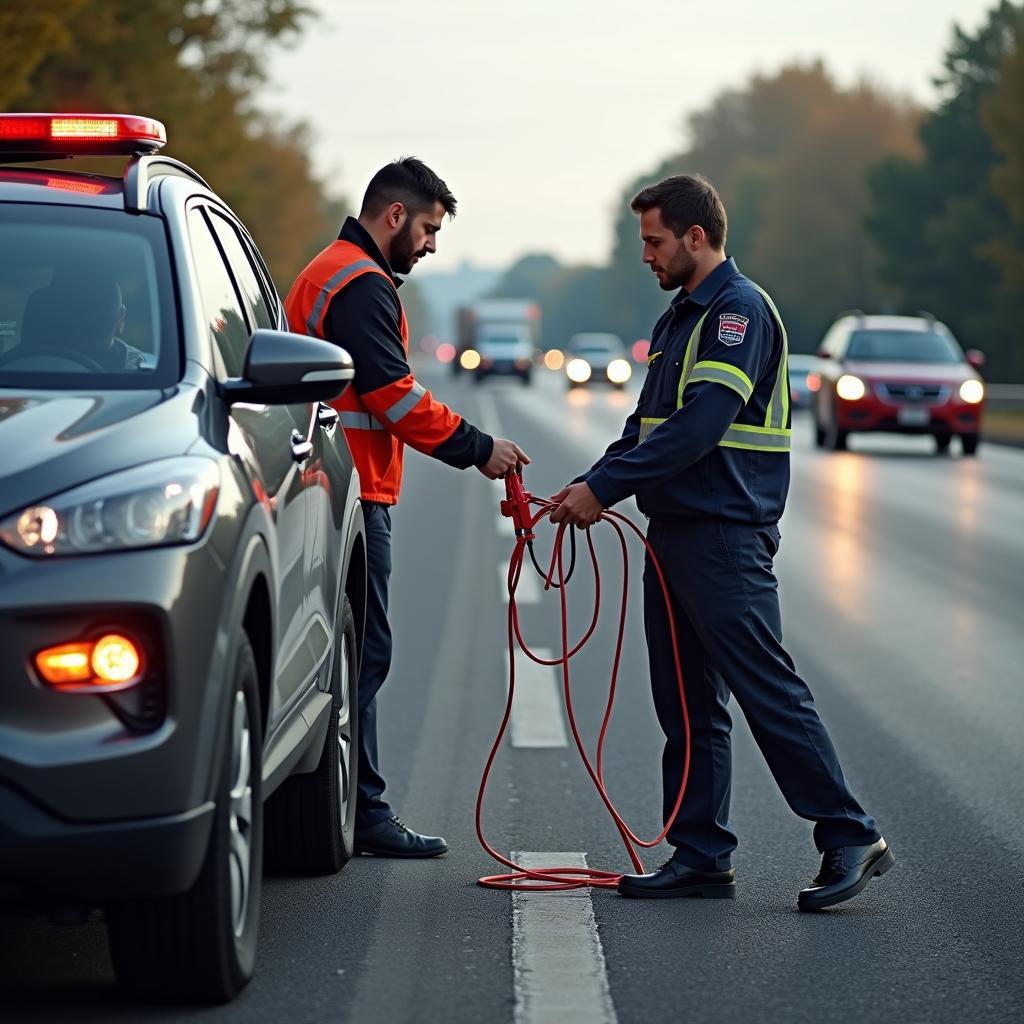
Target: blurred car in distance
x=804 y=380
x=597 y=358
x=897 y=374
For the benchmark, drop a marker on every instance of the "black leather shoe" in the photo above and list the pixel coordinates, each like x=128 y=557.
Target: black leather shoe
x=392 y=838
x=845 y=871
x=674 y=879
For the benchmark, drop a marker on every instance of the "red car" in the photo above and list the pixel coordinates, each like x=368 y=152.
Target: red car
x=896 y=374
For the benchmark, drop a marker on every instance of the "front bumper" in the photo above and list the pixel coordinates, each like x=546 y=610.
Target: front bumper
x=99 y=861
x=872 y=414
x=79 y=757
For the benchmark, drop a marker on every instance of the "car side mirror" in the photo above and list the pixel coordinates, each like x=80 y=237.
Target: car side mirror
x=282 y=368
x=976 y=358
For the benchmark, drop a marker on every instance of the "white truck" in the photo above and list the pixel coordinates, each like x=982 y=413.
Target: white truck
x=498 y=336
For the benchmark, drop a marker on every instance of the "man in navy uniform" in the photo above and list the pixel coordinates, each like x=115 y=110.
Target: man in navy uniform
x=706 y=452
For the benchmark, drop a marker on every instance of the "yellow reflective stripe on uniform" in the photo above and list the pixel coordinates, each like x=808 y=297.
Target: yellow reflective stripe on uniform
x=692 y=347
x=650 y=359
x=723 y=373
x=647 y=424
x=758 y=439
x=778 y=405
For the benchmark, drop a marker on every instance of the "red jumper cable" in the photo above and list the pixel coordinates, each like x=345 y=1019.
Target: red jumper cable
x=517 y=506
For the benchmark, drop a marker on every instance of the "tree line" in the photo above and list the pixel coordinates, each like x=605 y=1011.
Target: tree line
x=844 y=199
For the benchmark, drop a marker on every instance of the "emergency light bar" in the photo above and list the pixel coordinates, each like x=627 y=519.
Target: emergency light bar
x=50 y=135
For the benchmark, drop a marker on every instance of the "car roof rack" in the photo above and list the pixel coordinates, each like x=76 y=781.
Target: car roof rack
x=140 y=172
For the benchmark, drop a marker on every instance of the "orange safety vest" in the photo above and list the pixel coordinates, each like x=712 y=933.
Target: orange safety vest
x=377 y=424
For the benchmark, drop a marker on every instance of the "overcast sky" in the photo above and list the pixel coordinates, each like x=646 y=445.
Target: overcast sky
x=537 y=112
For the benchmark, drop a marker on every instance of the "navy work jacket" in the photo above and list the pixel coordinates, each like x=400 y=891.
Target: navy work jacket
x=682 y=467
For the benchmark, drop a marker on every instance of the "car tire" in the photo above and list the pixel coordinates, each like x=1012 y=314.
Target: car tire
x=200 y=946
x=969 y=443
x=835 y=439
x=942 y=442
x=310 y=826
x=819 y=434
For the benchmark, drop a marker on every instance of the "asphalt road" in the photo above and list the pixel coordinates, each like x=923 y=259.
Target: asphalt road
x=902 y=577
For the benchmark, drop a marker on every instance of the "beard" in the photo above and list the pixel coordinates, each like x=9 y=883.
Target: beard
x=678 y=272
x=402 y=254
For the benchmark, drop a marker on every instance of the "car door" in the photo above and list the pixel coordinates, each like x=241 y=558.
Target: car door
x=269 y=435
x=320 y=423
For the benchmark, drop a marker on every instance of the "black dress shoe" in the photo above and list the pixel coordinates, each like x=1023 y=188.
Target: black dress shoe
x=845 y=871
x=674 y=879
x=392 y=838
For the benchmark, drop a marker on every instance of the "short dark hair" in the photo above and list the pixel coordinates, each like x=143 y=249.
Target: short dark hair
x=409 y=181
x=685 y=200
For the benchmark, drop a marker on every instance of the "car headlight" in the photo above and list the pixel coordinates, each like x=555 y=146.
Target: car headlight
x=849 y=387
x=470 y=359
x=972 y=391
x=166 y=502
x=619 y=371
x=578 y=370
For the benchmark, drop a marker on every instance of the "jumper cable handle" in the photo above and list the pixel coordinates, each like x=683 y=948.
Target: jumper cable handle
x=517 y=505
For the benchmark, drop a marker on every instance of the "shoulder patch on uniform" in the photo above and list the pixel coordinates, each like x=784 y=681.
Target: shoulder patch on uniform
x=731 y=328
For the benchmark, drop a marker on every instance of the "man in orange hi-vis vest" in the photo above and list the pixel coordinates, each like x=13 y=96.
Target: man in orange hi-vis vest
x=349 y=294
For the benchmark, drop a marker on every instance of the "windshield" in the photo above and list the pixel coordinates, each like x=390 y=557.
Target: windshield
x=85 y=299
x=503 y=341
x=596 y=344
x=894 y=346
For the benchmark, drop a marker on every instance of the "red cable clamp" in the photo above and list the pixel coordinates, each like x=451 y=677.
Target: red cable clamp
x=517 y=505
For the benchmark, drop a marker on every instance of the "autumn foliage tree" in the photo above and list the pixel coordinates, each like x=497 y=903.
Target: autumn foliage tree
x=949 y=223
x=195 y=66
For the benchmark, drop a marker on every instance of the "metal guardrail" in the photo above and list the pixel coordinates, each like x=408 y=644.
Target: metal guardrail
x=1004 y=396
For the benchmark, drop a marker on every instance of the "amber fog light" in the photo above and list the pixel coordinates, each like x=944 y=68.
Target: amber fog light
x=110 y=663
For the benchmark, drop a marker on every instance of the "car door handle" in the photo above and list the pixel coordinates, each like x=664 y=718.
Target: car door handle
x=327 y=417
x=301 y=448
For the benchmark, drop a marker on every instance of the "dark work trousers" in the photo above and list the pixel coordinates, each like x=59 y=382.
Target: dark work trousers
x=371 y=807
x=729 y=627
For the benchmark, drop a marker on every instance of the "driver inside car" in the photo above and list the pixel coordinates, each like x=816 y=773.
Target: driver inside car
x=78 y=318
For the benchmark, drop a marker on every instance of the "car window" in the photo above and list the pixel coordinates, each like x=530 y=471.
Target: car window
x=503 y=340
x=244 y=272
x=221 y=307
x=903 y=346
x=596 y=344
x=85 y=292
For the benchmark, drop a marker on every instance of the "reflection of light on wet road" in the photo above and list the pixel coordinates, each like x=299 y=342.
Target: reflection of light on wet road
x=578 y=397
x=969 y=493
x=845 y=560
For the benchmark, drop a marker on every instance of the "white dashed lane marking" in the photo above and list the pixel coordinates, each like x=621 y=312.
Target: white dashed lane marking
x=558 y=964
x=537 y=716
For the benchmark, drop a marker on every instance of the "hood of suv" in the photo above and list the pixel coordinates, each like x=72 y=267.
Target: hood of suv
x=55 y=440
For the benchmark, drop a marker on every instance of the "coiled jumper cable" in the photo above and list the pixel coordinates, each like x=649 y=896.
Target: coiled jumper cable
x=517 y=506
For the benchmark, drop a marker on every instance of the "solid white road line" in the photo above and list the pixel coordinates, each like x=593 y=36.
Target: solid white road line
x=537 y=717
x=558 y=964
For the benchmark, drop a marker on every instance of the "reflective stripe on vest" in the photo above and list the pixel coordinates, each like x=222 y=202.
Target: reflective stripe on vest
x=773 y=436
x=406 y=404
x=329 y=288
x=359 y=421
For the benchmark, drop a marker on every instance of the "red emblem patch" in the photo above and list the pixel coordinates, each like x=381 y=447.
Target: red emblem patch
x=731 y=328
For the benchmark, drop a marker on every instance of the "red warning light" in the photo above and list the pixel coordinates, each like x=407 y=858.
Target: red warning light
x=79 y=134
